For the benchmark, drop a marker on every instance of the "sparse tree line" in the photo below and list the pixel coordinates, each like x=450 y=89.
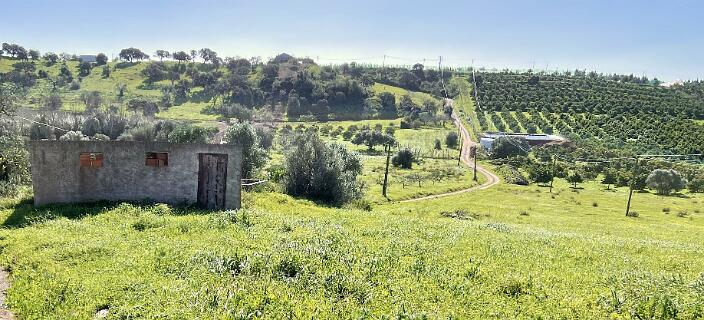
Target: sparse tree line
x=296 y=86
x=521 y=164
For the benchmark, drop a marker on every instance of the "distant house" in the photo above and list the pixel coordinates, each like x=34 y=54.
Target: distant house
x=206 y=175
x=87 y=58
x=533 y=139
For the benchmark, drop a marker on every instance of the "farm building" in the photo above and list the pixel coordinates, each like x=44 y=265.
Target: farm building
x=87 y=58
x=487 y=139
x=206 y=175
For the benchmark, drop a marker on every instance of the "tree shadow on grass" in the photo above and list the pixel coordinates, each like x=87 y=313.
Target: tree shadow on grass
x=25 y=214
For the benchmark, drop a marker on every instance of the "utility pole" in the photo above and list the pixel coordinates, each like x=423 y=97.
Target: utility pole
x=473 y=153
x=386 y=172
x=552 y=176
x=459 y=158
x=630 y=191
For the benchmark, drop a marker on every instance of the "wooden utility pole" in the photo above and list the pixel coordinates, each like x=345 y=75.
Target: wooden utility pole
x=552 y=176
x=459 y=158
x=630 y=189
x=386 y=172
x=473 y=153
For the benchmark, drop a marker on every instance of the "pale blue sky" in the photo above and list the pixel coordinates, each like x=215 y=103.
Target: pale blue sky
x=662 y=39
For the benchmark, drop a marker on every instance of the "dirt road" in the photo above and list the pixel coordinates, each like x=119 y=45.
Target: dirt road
x=467 y=143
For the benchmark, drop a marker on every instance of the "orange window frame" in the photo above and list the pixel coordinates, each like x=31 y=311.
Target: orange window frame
x=91 y=159
x=157 y=159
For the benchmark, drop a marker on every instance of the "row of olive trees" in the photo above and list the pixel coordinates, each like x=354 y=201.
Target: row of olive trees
x=14 y=168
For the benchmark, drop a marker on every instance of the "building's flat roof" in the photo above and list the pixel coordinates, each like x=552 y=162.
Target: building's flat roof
x=527 y=136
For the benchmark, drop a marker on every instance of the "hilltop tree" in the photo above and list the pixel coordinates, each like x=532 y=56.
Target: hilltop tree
x=181 y=56
x=101 y=59
x=34 y=54
x=131 y=54
x=162 y=54
x=14 y=50
x=208 y=55
x=51 y=58
x=194 y=55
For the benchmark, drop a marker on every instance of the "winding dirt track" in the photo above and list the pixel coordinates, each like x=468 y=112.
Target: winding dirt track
x=491 y=178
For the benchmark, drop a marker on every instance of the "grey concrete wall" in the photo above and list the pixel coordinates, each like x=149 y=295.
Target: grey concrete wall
x=58 y=178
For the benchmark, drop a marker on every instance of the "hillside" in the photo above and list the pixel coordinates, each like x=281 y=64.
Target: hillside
x=641 y=117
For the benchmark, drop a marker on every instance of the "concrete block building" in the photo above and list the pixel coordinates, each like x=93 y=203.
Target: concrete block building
x=206 y=175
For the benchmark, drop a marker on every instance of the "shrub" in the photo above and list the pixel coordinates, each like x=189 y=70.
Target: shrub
x=404 y=158
x=452 y=139
x=253 y=155
x=633 y=214
x=505 y=147
x=664 y=181
x=696 y=184
x=438 y=145
x=75 y=85
x=511 y=175
x=322 y=172
x=188 y=133
x=73 y=136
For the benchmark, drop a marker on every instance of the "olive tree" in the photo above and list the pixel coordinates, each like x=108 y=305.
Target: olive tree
x=14 y=168
x=371 y=138
x=253 y=155
x=322 y=172
x=664 y=181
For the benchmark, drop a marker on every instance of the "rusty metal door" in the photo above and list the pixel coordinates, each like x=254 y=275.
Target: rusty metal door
x=212 y=178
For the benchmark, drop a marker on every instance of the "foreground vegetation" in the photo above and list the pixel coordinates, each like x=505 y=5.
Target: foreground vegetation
x=570 y=254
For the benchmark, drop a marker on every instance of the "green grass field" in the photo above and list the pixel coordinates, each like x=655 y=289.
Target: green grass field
x=572 y=254
x=417 y=97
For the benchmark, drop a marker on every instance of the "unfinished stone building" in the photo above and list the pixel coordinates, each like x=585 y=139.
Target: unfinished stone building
x=206 y=175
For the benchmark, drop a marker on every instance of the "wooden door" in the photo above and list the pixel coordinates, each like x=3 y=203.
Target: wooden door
x=212 y=178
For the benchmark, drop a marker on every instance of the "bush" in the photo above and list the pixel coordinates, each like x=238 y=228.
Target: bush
x=73 y=136
x=511 y=175
x=253 y=155
x=452 y=139
x=322 y=172
x=75 y=85
x=696 y=184
x=633 y=214
x=188 y=133
x=438 y=145
x=404 y=158
x=664 y=181
x=506 y=147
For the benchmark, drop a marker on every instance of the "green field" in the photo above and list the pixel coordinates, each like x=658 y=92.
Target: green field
x=417 y=97
x=570 y=254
